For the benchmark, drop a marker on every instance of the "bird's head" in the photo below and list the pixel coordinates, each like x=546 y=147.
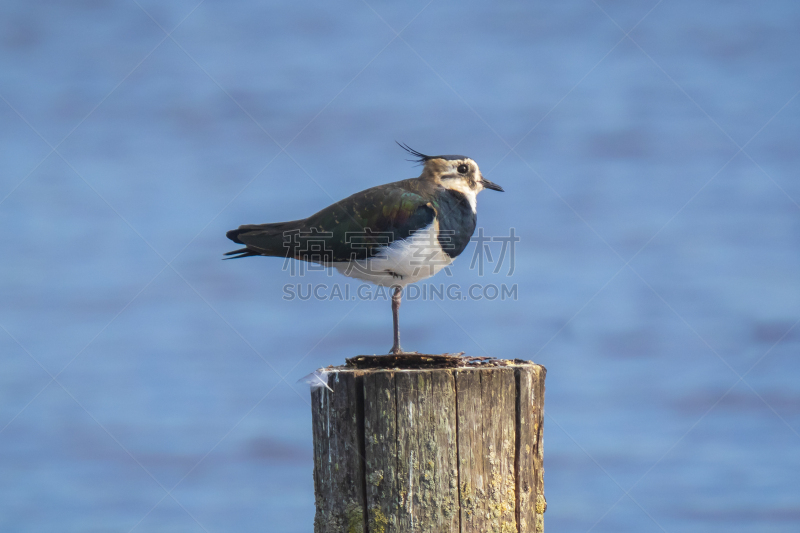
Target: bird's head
x=456 y=172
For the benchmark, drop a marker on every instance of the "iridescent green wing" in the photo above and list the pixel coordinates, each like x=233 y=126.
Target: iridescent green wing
x=356 y=227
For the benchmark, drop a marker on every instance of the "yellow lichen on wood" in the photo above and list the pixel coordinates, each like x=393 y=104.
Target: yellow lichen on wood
x=376 y=477
x=354 y=517
x=378 y=521
x=541 y=504
x=468 y=503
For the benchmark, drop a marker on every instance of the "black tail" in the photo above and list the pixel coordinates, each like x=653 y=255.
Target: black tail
x=242 y=252
x=234 y=233
x=261 y=239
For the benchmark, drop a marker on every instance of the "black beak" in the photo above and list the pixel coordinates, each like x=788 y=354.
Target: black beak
x=489 y=185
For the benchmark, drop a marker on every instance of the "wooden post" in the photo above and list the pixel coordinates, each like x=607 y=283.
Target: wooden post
x=430 y=449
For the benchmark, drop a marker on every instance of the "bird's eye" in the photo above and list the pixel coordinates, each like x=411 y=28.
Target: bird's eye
x=462 y=169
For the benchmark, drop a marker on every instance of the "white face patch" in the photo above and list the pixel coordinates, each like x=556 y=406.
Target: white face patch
x=460 y=184
x=445 y=174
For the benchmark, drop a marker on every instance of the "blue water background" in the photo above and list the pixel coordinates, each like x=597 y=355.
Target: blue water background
x=658 y=262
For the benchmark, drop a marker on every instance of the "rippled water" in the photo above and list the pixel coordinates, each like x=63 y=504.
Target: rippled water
x=658 y=263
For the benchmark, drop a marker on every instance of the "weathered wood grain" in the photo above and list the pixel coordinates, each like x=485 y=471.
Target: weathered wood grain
x=380 y=451
x=486 y=424
x=531 y=503
x=430 y=450
x=427 y=473
x=338 y=465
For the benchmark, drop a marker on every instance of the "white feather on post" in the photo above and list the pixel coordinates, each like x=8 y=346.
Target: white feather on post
x=316 y=380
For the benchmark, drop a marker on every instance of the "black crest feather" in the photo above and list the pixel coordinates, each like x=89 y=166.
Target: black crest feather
x=420 y=157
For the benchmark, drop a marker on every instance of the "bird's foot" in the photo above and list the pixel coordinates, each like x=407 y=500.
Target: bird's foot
x=394 y=274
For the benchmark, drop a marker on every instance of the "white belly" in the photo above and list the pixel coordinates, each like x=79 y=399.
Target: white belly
x=418 y=257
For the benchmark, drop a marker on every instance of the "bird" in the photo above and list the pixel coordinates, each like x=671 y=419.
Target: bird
x=390 y=235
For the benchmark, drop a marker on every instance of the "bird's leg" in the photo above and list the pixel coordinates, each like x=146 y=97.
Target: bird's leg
x=398 y=294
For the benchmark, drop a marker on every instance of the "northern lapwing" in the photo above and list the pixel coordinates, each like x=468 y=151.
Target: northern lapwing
x=390 y=235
